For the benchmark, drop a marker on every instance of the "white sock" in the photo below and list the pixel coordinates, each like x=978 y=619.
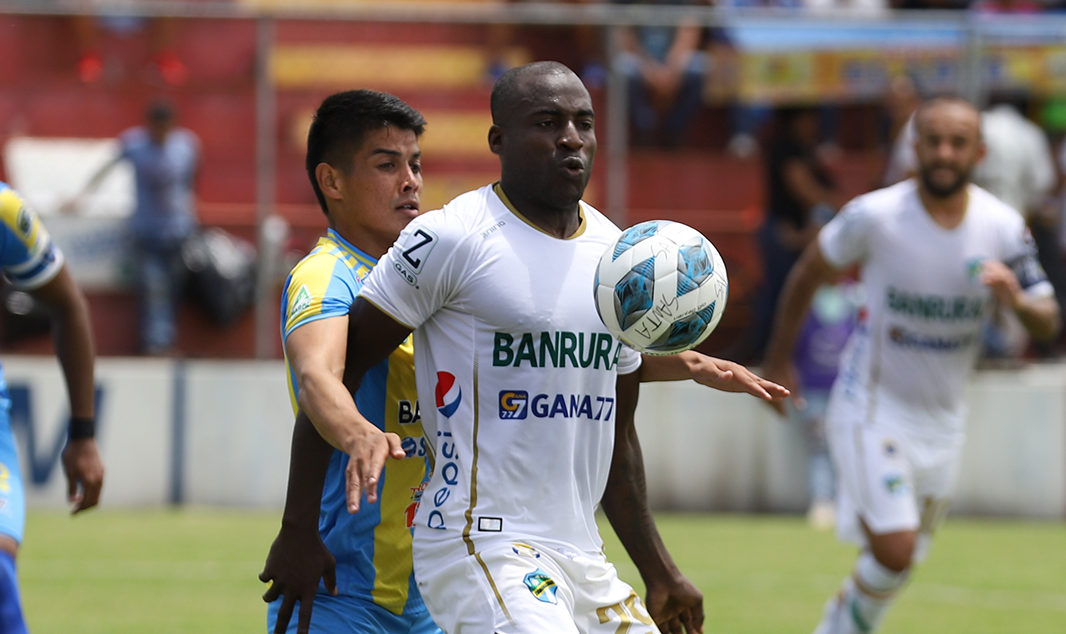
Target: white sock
x=863 y=600
x=870 y=592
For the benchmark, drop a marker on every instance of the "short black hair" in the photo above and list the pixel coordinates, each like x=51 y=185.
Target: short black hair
x=505 y=91
x=342 y=123
x=159 y=111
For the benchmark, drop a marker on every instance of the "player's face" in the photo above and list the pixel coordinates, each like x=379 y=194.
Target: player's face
x=548 y=142
x=948 y=147
x=380 y=192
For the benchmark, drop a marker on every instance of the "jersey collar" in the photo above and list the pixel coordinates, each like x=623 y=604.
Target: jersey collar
x=582 y=223
x=351 y=249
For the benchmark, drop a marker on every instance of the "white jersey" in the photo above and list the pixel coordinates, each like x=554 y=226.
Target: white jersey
x=906 y=365
x=522 y=370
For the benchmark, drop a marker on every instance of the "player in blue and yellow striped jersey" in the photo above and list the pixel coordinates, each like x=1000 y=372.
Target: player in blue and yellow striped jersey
x=31 y=262
x=363 y=160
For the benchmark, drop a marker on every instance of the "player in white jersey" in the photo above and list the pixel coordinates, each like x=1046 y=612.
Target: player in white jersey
x=932 y=252
x=527 y=399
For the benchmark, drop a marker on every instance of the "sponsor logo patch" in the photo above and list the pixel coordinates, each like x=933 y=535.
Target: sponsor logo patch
x=542 y=586
x=514 y=404
x=448 y=393
x=302 y=300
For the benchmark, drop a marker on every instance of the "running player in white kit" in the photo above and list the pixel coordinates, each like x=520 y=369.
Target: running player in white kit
x=932 y=251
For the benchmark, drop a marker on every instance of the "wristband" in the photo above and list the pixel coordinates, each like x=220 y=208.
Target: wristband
x=81 y=428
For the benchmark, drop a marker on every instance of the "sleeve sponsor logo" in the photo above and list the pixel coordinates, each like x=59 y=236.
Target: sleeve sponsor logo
x=302 y=300
x=414 y=252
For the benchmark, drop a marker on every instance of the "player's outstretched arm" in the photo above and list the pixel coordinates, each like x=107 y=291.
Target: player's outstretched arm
x=673 y=601
x=372 y=336
x=719 y=374
x=811 y=271
x=73 y=339
x=1039 y=315
x=298 y=559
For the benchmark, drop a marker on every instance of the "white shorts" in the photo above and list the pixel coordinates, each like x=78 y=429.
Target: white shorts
x=892 y=481
x=523 y=588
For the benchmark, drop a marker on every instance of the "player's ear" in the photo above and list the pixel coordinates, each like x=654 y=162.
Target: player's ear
x=326 y=175
x=495 y=138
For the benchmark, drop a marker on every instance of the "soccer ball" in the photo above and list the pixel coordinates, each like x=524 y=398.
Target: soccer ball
x=661 y=287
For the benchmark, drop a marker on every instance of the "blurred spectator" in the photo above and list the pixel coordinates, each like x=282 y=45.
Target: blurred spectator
x=802 y=198
x=901 y=100
x=833 y=315
x=165 y=160
x=665 y=68
x=1007 y=6
x=583 y=42
x=848 y=7
x=1019 y=170
x=165 y=61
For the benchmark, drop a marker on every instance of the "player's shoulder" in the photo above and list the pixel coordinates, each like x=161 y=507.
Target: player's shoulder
x=457 y=220
x=986 y=206
x=15 y=215
x=888 y=199
x=331 y=258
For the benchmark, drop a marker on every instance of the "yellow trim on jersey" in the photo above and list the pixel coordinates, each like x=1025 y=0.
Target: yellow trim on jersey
x=495 y=590
x=12 y=211
x=473 y=472
x=394 y=572
x=507 y=202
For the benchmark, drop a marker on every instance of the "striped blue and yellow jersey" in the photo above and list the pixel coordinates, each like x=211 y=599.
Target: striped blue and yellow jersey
x=373 y=546
x=28 y=257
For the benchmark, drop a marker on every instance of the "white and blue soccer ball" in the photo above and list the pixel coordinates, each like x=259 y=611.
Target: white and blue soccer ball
x=661 y=287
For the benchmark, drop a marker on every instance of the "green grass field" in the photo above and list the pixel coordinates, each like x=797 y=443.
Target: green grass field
x=195 y=570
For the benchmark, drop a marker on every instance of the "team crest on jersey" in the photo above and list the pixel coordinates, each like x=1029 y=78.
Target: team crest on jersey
x=542 y=586
x=302 y=300
x=513 y=404
x=448 y=393
x=895 y=484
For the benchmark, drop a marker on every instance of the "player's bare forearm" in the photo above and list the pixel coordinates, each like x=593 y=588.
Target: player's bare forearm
x=810 y=272
x=73 y=340
x=719 y=374
x=1040 y=317
x=674 y=603
x=372 y=336
x=298 y=559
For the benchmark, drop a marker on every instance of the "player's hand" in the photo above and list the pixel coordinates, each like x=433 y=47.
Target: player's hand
x=367 y=453
x=677 y=607
x=296 y=562
x=784 y=374
x=85 y=473
x=998 y=277
x=728 y=376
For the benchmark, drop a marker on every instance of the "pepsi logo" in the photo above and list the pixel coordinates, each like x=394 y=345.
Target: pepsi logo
x=448 y=393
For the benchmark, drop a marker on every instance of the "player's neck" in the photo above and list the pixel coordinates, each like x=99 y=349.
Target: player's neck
x=559 y=222
x=946 y=211
x=360 y=239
